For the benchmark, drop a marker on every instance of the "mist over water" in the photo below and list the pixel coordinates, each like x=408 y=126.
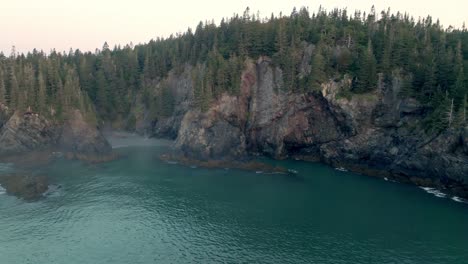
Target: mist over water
x=142 y=210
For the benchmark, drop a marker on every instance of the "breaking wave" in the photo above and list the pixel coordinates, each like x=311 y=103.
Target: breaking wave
x=459 y=200
x=341 y=169
x=434 y=192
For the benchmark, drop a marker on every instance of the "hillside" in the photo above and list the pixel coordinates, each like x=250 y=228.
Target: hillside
x=382 y=94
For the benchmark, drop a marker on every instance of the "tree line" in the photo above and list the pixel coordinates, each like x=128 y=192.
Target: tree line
x=430 y=61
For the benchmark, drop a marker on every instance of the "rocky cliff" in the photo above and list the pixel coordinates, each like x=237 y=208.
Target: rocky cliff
x=25 y=133
x=376 y=133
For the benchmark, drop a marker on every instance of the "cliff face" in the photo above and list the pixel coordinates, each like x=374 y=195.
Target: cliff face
x=375 y=134
x=23 y=133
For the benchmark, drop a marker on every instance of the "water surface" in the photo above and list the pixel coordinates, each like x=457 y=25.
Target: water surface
x=142 y=210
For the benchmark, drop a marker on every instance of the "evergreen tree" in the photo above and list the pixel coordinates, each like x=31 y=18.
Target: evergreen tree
x=367 y=74
x=430 y=61
x=12 y=93
x=317 y=75
x=2 y=88
x=41 y=95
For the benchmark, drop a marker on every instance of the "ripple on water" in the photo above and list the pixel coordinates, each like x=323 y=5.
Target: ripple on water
x=133 y=212
x=6 y=167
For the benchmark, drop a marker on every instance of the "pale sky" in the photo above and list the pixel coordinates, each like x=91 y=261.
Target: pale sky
x=86 y=24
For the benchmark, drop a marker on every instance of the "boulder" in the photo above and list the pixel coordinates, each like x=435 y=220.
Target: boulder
x=27 y=187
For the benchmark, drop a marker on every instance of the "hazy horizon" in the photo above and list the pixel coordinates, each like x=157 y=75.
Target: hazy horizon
x=65 y=24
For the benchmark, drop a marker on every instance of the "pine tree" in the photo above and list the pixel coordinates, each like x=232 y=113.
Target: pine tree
x=367 y=74
x=71 y=91
x=12 y=93
x=461 y=119
x=27 y=95
x=317 y=75
x=460 y=89
x=41 y=95
x=2 y=88
x=101 y=94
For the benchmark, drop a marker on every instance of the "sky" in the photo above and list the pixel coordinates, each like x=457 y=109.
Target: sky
x=87 y=24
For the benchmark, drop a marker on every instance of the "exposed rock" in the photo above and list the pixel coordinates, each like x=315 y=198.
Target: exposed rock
x=27 y=187
x=224 y=164
x=30 y=139
x=180 y=85
x=26 y=132
x=81 y=138
x=206 y=136
x=376 y=133
x=5 y=114
x=465 y=140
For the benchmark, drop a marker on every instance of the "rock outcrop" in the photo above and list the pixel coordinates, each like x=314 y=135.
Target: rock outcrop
x=27 y=187
x=81 y=138
x=25 y=133
x=377 y=133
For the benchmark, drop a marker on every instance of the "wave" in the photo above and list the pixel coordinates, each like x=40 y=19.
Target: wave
x=6 y=167
x=459 y=200
x=2 y=190
x=341 y=169
x=53 y=190
x=120 y=146
x=434 y=192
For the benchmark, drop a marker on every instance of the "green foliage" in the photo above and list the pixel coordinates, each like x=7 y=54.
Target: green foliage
x=432 y=61
x=366 y=79
x=317 y=75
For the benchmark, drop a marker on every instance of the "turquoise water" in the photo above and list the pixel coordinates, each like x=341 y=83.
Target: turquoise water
x=142 y=210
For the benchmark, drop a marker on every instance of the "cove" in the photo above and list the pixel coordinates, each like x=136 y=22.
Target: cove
x=139 y=209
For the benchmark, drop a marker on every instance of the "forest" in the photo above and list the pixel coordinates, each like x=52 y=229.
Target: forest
x=430 y=60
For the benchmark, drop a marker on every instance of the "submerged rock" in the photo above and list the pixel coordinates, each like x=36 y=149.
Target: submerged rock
x=27 y=187
x=223 y=164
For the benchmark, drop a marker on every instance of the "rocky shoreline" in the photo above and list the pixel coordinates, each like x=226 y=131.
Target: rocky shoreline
x=377 y=133
x=30 y=141
x=247 y=165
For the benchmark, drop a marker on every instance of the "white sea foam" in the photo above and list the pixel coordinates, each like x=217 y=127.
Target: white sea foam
x=386 y=179
x=459 y=200
x=293 y=171
x=434 y=192
x=341 y=169
x=53 y=191
x=2 y=190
